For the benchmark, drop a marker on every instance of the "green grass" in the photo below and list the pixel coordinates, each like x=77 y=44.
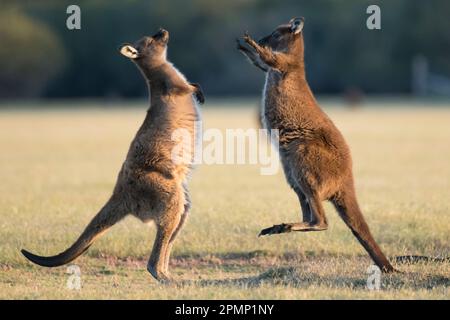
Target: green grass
x=58 y=167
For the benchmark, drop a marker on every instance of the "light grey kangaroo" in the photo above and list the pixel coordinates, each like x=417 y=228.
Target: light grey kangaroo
x=151 y=185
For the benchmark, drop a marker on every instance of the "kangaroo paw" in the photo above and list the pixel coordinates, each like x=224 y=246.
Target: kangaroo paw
x=198 y=93
x=249 y=40
x=239 y=45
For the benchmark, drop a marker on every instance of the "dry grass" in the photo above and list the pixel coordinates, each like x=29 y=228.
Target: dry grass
x=58 y=167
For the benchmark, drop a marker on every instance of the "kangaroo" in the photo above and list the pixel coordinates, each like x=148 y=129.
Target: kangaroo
x=151 y=185
x=315 y=157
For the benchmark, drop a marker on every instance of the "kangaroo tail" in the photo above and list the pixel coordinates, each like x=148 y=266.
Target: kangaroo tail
x=111 y=213
x=348 y=208
x=414 y=259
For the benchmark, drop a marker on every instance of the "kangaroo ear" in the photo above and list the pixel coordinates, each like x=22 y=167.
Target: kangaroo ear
x=297 y=25
x=129 y=51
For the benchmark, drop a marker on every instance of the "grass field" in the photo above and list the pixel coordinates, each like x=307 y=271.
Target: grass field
x=58 y=166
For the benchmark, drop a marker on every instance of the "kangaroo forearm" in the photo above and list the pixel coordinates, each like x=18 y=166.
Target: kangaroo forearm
x=252 y=57
x=267 y=56
x=255 y=60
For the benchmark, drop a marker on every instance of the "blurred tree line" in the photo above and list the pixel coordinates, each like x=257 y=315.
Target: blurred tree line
x=40 y=57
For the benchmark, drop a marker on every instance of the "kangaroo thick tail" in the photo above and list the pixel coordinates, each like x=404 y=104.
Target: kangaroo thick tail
x=107 y=217
x=414 y=259
x=348 y=208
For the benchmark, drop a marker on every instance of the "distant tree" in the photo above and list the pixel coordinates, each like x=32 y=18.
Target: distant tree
x=30 y=55
x=340 y=52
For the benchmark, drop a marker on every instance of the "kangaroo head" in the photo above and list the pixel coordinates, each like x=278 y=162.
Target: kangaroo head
x=148 y=51
x=287 y=38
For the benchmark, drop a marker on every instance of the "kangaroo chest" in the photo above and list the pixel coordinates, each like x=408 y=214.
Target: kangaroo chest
x=278 y=104
x=288 y=110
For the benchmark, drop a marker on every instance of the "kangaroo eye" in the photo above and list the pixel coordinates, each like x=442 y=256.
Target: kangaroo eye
x=148 y=42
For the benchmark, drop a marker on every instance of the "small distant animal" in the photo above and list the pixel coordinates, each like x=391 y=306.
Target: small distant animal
x=151 y=185
x=315 y=157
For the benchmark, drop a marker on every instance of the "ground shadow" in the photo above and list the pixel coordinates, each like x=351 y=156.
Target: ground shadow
x=293 y=277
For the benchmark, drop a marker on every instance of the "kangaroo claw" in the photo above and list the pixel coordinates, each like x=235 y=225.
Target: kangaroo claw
x=276 y=229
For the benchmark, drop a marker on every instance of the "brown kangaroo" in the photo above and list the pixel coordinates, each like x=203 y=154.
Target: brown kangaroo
x=315 y=157
x=151 y=185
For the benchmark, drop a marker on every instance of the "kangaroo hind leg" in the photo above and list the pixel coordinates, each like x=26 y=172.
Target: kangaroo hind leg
x=313 y=217
x=306 y=210
x=166 y=227
x=183 y=218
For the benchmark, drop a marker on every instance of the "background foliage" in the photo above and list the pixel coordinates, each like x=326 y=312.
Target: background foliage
x=40 y=57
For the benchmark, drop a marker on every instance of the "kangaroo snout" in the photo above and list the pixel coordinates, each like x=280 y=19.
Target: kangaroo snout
x=162 y=34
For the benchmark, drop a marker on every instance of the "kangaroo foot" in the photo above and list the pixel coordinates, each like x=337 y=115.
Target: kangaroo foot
x=289 y=227
x=159 y=275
